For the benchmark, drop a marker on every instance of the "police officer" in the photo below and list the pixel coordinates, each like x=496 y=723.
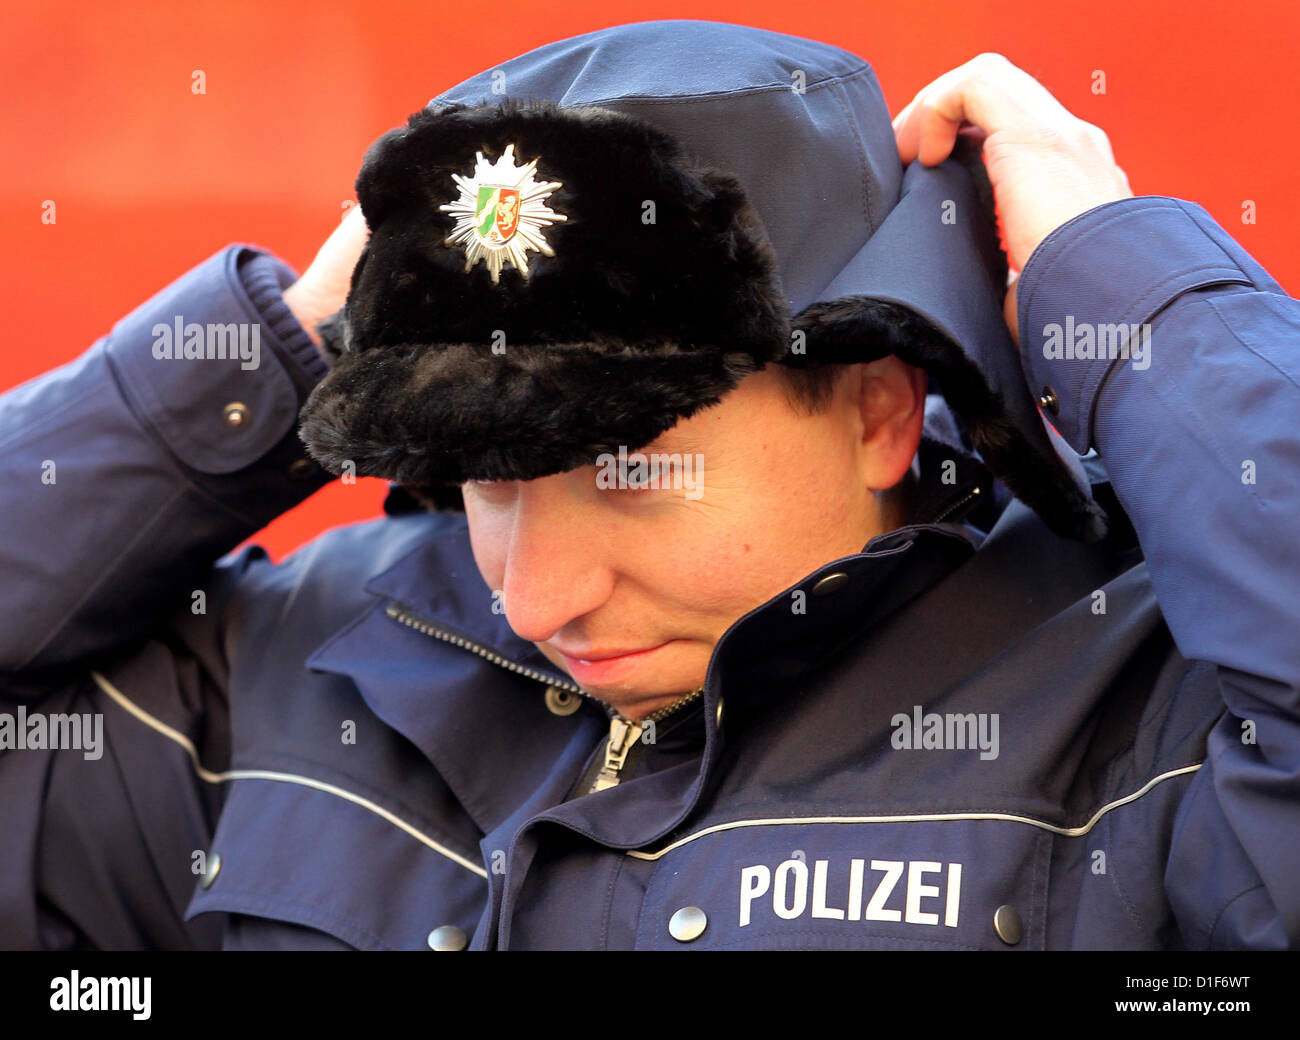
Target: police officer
x=745 y=638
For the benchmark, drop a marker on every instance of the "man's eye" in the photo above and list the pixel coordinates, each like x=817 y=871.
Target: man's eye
x=634 y=478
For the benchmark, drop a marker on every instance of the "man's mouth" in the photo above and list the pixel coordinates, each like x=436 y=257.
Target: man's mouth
x=604 y=665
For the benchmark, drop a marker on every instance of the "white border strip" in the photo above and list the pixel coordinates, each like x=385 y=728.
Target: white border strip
x=290 y=778
x=1069 y=832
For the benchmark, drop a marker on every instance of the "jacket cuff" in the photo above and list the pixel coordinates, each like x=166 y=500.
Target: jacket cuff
x=209 y=370
x=1089 y=291
x=265 y=278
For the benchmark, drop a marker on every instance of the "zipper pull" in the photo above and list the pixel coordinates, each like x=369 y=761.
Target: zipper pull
x=622 y=735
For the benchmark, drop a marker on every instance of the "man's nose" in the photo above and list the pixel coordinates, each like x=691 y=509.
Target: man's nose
x=556 y=569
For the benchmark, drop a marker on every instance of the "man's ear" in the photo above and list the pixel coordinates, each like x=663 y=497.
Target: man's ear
x=891 y=402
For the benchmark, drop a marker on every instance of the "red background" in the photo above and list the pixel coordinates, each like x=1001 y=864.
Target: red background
x=150 y=179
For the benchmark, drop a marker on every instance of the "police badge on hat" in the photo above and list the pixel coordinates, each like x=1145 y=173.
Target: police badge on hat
x=500 y=214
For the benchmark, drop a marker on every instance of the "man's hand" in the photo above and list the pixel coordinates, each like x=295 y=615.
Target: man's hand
x=323 y=288
x=1046 y=165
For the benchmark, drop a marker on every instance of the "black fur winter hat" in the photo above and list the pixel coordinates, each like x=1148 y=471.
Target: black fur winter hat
x=642 y=289
x=575 y=267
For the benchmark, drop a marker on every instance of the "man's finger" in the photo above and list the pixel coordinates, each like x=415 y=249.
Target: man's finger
x=927 y=126
x=987 y=92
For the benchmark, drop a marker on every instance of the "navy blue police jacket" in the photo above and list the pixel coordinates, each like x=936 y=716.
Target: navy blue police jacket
x=973 y=734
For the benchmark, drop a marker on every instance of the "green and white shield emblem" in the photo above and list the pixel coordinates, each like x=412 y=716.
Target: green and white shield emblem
x=500 y=214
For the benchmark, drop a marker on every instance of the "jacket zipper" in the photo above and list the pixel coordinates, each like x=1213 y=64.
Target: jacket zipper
x=623 y=735
x=398 y=612
x=972 y=493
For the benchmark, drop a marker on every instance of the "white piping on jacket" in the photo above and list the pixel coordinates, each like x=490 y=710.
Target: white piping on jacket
x=1069 y=832
x=264 y=774
x=319 y=785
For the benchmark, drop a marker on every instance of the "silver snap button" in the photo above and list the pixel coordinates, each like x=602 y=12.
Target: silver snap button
x=1048 y=400
x=688 y=924
x=717 y=715
x=448 y=938
x=1006 y=922
x=562 y=702
x=830 y=583
x=210 y=875
x=235 y=415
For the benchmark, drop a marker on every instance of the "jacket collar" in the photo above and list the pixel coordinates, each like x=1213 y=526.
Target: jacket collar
x=486 y=729
x=418 y=651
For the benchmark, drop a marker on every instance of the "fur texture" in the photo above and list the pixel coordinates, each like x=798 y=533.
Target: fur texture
x=629 y=326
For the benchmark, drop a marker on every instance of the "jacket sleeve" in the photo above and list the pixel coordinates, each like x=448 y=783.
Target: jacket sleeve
x=125 y=473
x=123 y=483
x=1198 y=428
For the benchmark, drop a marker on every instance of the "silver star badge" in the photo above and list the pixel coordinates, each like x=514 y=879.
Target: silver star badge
x=500 y=213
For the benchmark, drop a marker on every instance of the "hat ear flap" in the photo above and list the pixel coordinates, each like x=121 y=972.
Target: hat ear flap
x=968 y=153
x=861 y=329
